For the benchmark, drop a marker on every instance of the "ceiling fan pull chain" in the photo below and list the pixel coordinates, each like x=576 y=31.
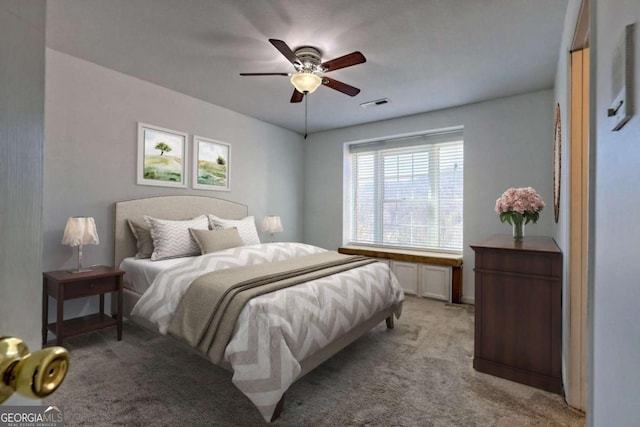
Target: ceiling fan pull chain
x=305 y=114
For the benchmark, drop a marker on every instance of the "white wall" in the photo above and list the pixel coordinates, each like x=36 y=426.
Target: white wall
x=22 y=68
x=614 y=376
x=508 y=143
x=91 y=153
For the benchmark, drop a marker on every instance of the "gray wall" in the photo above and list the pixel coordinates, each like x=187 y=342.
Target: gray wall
x=507 y=143
x=91 y=149
x=22 y=75
x=614 y=377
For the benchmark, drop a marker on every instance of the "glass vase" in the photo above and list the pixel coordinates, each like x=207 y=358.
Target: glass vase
x=518 y=230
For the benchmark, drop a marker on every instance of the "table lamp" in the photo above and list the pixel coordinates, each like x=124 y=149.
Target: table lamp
x=272 y=224
x=79 y=231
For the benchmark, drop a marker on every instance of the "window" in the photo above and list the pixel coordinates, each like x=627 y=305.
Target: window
x=408 y=192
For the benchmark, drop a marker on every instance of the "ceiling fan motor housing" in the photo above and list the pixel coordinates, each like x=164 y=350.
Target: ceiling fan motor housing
x=309 y=58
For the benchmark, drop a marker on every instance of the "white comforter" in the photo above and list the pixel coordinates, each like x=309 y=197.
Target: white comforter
x=278 y=330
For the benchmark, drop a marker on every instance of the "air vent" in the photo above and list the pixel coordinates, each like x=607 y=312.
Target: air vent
x=376 y=103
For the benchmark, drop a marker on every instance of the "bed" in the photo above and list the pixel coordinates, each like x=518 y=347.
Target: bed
x=280 y=335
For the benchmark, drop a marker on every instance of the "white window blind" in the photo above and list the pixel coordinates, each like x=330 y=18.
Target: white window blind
x=408 y=192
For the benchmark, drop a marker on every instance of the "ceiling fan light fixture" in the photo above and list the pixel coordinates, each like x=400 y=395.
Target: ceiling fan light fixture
x=306 y=82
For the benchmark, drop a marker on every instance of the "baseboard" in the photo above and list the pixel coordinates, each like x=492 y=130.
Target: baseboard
x=468 y=300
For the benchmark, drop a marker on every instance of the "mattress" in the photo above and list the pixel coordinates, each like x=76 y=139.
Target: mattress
x=140 y=273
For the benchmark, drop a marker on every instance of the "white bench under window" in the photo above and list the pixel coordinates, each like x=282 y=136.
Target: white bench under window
x=427 y=274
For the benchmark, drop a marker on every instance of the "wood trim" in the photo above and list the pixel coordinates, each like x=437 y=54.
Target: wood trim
x=456 y=285
x=581 y=34
x=578 y=231
x=433 y=258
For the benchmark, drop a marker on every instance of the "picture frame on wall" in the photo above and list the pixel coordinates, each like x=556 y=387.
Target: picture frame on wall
x=211 y=164
x=162 y=156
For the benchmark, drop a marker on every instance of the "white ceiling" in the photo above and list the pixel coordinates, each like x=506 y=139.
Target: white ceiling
x=423 y=55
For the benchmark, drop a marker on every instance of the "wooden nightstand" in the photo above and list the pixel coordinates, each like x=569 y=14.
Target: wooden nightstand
x=64 y=285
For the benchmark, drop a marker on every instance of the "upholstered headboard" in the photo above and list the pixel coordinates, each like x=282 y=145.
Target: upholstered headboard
x=166 y=207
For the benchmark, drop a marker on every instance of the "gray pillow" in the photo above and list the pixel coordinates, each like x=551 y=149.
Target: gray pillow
x=216 y=240
x=144 y=242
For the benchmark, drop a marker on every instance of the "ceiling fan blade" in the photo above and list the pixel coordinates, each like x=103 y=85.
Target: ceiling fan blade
x=340 y=87
x=265 y=74
x=297 y=96
x=344 y=61
x=285 y=50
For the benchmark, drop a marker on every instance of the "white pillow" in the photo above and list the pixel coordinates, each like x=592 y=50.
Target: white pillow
x=172 y=239
x=246 y=227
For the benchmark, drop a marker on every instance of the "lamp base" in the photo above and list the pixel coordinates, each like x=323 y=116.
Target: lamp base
x=80 y=268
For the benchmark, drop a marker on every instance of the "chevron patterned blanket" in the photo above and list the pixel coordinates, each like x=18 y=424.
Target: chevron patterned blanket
x=276 y=331
x=208 y=311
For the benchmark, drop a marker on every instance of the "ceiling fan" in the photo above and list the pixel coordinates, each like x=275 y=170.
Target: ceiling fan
x=307 y=62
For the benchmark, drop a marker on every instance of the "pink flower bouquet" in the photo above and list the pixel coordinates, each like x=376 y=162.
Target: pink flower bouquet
x=519 y=205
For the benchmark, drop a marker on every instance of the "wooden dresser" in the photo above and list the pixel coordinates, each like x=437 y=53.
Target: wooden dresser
x=518 y=310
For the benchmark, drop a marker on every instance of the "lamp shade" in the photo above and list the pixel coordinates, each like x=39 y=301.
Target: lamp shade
x=80 y=230
x=306 y=82
x=272 y=224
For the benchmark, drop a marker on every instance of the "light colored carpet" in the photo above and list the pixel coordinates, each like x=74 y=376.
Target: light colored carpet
x=418 y=374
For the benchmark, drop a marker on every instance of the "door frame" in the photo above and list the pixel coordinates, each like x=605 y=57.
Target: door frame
x=578 y=165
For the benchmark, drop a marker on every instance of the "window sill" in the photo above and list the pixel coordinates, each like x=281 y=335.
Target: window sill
x=408 y=255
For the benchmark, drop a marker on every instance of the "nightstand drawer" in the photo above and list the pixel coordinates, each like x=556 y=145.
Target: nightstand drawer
x=90 y=287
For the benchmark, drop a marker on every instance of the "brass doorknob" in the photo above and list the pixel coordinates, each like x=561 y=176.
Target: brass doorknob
x=34 y=375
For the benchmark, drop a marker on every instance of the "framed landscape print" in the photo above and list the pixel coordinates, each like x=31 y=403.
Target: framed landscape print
x=162 y=156
x=211 y=164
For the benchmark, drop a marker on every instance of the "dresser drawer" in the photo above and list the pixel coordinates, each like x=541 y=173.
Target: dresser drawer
x=90 y=287
x=514 y=262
